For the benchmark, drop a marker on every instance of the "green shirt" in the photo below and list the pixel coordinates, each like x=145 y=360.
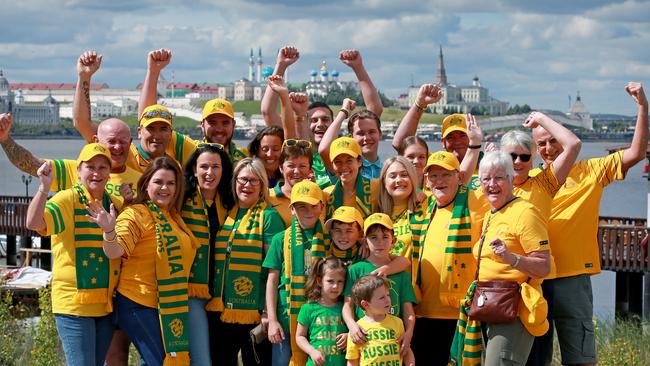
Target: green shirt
x=401 y=289
x=324 y=324
x=323 y=177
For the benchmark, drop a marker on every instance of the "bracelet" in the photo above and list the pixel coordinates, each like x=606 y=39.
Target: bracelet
x=110 y=240
x=347 y=113
x=44 y=192
x=517 y=258
x=474 y=146
x=420 y=107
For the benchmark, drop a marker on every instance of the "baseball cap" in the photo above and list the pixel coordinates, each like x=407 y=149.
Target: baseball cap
x=377 y=219
x=443 y=159
x=306 y=191
x=91 y=150
x=218 y=106
x=345 y=214
x=155 y=113
x=454 y=122
x=345 y=145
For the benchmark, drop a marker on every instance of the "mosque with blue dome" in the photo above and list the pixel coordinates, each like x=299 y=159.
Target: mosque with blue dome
x=322 y=82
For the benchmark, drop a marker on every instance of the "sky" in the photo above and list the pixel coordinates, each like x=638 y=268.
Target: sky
x=534 y=52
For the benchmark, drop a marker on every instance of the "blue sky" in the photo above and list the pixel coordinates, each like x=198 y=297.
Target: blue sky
x=535 y=52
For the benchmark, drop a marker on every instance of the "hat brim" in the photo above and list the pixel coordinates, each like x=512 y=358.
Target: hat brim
x=328 y=223
x=442 y=165
x=155 y=119
x=452 y=129
x=350 y=152
x=308 y=200
x=365 y=230
x=218 y=112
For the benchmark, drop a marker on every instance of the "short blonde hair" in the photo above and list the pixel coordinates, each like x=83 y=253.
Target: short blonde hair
x=257 y=168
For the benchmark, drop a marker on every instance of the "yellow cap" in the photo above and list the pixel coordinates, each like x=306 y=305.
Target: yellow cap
x=218 y=106
x=443 y=159
x=155 y=113
x=454 y=122
x=91 y=150
x=533 y=309
x=344 y=145
x=306 y=191
x=345 y=214
x=377 y=219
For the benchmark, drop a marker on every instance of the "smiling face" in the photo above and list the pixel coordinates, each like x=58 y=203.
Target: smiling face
x=456 y=142
x=218 y=128
x=248 y=187
x=155 y=138
x=443 y=184
x=319 y=120
x=94 y=174
x=295 y=169
x=366 y=133
x=346 y=167
x=208 y=171
x=521 y=167
x=162 y=188
x=332 y=284
x=417 y=155
x=398 y=183
x=497 y=186
x=345 y=235
x=269 y=153
x=306 y=214
x=116 y=136
x=547 y=146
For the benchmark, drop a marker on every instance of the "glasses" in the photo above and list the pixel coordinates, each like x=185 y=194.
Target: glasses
x=300 y=143
x=253 y=181
x=211 y=144
x=523 y=157
x=156 y=113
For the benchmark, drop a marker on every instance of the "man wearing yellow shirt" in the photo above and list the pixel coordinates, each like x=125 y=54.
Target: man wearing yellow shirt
x=573 y=230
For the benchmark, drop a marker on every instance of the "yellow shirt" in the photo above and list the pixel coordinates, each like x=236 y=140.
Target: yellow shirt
x=402 y=231
x=65 y=175
x=64 y=275
x=573 y=226
x=180 y=148
x=381 y=347
x=539 y=190
x=523 y=229
x=281 y=203
x=136 y=234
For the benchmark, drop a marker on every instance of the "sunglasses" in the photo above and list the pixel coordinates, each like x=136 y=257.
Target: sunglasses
x=300 y=143
x=211 y=144
x=523 y=157
x=156 y=113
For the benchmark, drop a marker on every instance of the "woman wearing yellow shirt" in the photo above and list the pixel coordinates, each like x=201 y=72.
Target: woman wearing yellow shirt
x=157 y=251
x=83 y=278
x=515 y=249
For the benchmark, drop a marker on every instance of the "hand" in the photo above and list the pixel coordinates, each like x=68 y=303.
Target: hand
x=358 y=334
x=420 y=197
x=276 y=82
x=126 y=191
x=264 y=320
x=88 y=63
x=351 y=57
x=349 y=105
x=287 y=56
x=428 y=94
x=534 y=119
x=276 y=334
x=490 y=146
x=381 y=271
x=404 y=343
x=317 y=357
x=342 y=341
x=473 y=130
x=500 y=250
x=364 y=251
x=299 y=103
x=45 y=175
x=158 y=59
x=635 y=90
x=5 y=126
x=98 y=215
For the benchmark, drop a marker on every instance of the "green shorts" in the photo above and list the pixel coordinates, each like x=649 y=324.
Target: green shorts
x=573 y=312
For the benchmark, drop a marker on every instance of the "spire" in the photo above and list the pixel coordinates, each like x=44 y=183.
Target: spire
x=259 y=52
x=441 y=75
x=578 y=96
x=251 y=52
x=259 y=65
x=251 y=63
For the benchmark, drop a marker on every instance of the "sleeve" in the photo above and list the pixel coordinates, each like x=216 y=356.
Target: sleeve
x=273 y=224
x=353 y=351
x=304 y=316
x=274 y=257
x=606 y=169
x=548 y=181
x=182 y=147
x=349 y=281
x=407 y=293
x=65 y=174
x=130 y=227
x=399 y=327
x=531 y=230
x=58 y=213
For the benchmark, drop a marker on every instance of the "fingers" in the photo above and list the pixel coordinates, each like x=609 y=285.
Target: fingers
x=276 y=79
x=160 y=57
x=350 y=55
x=289 y=53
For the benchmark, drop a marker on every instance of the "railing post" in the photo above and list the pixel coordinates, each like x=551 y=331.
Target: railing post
x=11 y=250
x=25 y=242
x=46 y=258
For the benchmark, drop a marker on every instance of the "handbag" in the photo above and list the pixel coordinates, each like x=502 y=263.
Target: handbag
x=494 y=301
x=257 y=335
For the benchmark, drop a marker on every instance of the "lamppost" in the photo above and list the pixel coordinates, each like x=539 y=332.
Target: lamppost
x=27 y=179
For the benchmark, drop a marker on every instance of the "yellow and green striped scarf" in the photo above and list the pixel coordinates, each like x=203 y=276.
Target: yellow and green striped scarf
x=238 y=265
x=171 y=277
x=195 y=216
x=96 y=274
x=348 y=256
x=467 y=345
x=363 y=199
x=235 y=154
x=295 y=256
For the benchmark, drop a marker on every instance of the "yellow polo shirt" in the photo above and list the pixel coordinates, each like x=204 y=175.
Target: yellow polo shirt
x=181 y=147
x=539 y=190
x=281 y=203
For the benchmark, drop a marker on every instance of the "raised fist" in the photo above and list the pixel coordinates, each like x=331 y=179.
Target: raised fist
x=299 y=103
x=287 y=56
x=276 y=83
x=428 y=94
x=5 y=126
x=158 y=59
x=351 y=57
x=636 y=92
x=88 y=63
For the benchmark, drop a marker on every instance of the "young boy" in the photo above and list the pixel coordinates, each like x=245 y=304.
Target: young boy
x=378 y=231
x=289 y=261
x=384 y=331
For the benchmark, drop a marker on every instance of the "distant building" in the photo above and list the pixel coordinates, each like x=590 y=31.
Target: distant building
x=44 y=112
x=321 y=83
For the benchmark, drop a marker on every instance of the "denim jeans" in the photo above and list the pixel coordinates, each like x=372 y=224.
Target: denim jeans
x=199 y=334
x=142 y=325
x=281 y=352
x=85 y=338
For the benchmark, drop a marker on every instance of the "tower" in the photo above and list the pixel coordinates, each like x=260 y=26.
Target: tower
x=251 y=63
x=441 y=75
x=259 y=65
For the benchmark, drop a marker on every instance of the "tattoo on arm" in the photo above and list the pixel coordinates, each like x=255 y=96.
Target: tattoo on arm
x=85 y=87
x=21 y=157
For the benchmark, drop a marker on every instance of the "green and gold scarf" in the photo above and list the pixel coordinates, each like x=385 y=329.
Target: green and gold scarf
x=348 y=256
x=363 y=198
x=96 y=274
x=235 y=154
x=239 y=254
x=467 y=345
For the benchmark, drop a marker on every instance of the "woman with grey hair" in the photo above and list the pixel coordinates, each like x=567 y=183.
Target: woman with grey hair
x=516 y=249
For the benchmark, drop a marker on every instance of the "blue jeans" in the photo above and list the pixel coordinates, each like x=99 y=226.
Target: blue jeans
x=142 y=325
x=199 y=334
x=85 y=338
x=281 y=352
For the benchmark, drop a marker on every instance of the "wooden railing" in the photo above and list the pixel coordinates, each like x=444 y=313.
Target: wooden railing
x=13 y=213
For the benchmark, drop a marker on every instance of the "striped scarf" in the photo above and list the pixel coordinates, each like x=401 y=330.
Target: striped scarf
x=363 y=199
x=195 y=216
x=235 y=154
x=295 y=258
x=96 y=274
x=239 y=251
x=467 y=345
x=171 y=278
x=348 y=256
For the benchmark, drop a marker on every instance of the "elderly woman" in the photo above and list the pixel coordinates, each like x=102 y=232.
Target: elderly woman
x=83 y=278
x=516 y=249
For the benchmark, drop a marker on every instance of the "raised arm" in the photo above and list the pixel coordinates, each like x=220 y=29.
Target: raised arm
x=35 y=220
x=471 y=156
x=637 y=150
x=286 y=56
x=288 y=119
x=299 y=104
x=20 y=157
x=570 y=143
x=352 y=58
x=156 y=61
x=428 y=94
x=87 y=64
x=332 y=132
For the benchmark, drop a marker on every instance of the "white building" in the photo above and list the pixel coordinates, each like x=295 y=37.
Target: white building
x=321 y=83
x=45 y=112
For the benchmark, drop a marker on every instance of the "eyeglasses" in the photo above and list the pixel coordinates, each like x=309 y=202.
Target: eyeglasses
x=300 y=143
x=523 y=157
x=211 y=144
x=253 y=181
x=155 y=113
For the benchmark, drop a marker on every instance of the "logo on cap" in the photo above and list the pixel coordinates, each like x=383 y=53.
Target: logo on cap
x=303 y=190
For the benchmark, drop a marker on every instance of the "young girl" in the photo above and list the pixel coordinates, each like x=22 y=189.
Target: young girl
x=320 y=318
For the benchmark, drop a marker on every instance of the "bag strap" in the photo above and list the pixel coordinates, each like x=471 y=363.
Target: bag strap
x=480 y=247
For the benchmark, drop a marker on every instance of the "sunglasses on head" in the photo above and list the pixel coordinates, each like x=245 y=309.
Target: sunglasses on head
x=523 y=157
x=300 y=143
x=155 y=113
x=211 y=144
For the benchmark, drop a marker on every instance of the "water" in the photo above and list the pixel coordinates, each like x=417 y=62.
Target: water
x=624 y=198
